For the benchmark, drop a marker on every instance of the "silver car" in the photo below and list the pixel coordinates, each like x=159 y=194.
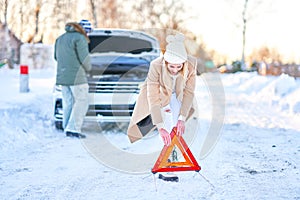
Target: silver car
x=120 y=61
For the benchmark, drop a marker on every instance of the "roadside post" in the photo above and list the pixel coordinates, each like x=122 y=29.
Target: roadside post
x=24 y=79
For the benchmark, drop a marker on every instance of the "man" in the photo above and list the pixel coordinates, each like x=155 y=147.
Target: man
x=73 y=63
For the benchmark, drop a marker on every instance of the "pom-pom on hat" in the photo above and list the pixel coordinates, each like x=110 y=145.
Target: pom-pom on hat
x=86 y=25
x=175 y=50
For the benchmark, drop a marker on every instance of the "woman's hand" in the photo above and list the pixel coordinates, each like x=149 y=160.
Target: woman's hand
x=180 y=127
x=165 y=136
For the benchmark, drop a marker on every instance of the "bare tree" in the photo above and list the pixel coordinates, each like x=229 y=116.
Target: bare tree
x=250 y=10
x=31 y=20
x=244 y=32
x=104 y=13
x=3 y=11
x=111 y=14
x=266 y=54
x=63 y=11
x=164 y=17
x=5 y=54
x=93 y=4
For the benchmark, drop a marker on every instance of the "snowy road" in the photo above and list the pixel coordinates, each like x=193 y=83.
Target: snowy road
x=256 y=157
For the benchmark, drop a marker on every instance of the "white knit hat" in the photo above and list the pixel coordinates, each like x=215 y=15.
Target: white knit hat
x=175 y=50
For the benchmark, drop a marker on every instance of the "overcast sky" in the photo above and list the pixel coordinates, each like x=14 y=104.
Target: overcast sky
x=274 y=23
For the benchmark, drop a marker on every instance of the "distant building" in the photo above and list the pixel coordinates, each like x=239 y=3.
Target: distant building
x=10 y=47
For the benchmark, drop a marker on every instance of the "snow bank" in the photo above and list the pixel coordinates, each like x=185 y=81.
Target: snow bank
x=280 y=91
x=256 y=157
x=24 y=116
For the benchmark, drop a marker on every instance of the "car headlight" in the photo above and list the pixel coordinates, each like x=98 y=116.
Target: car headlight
x=58 y=88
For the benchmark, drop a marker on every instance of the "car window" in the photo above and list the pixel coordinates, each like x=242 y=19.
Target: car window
x=120 y=44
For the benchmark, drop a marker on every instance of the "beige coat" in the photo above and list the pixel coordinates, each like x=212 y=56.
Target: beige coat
x=156 y=93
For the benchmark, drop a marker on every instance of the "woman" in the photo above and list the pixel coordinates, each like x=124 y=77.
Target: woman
x=167 y=97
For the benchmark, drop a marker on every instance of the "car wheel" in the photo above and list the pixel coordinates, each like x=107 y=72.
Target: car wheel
x=58 y=125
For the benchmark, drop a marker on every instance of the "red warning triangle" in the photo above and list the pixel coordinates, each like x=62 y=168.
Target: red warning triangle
x=163 y=165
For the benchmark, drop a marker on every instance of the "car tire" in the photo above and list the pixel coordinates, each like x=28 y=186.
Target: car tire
x=58 y=125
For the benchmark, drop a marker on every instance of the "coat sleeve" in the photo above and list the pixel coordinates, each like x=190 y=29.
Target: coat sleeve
x=83 y=56
x=189 y=90
x=55 y=50
x=153 y=92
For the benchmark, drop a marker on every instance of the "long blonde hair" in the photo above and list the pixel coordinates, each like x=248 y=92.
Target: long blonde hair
x=79 y=29
x=182 y=71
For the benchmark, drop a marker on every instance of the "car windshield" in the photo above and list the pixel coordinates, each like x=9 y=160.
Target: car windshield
x=119 y=44
x=125 y=66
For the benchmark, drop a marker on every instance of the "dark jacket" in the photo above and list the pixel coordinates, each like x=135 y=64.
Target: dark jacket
x=72 y=56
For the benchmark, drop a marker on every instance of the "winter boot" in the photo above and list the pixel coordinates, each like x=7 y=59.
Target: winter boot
x=74 y=134
x=169 y=176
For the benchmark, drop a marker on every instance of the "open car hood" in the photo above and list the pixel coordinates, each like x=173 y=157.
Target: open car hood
x=122 y=41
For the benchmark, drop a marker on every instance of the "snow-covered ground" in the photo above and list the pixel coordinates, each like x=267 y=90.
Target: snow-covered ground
x=253 y=154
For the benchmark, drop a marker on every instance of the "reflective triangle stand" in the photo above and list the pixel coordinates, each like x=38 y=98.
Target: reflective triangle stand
x=163 y=164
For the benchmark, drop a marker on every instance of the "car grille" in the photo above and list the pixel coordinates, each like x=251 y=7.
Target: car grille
x=113 y=87
x=110 y=110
